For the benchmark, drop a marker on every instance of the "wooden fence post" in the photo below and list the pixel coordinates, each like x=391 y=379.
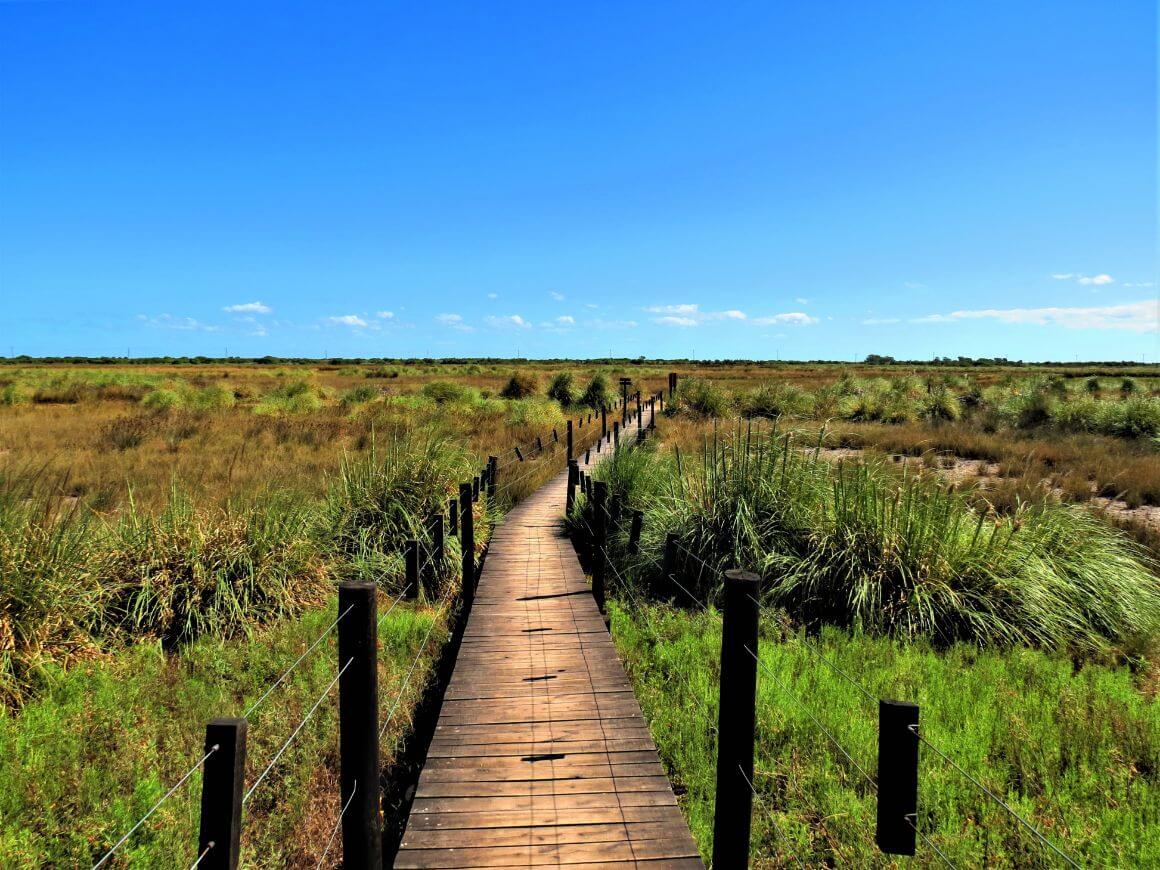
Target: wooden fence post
x=453 y=516
x=519 y=455
x=588 y=454
x=492 y=467
x=467 y=540
x=733 y=812
x=435 y=530
x=411 y=563
x=603 y=422
x=358 y=725
x=669 y=565
x=475 y=488
x=573 y=479
x=569 y=439
x=897 y=777
x=222 y=780
x=615 y=435
x=599 y=536
x=634 y=532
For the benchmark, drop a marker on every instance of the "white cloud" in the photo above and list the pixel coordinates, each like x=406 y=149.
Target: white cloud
x=687 y=314
x=674 y=320
x=802 y=301
x=493 y=296
x=384 y=315
x=508 y=321
x=591 y=305
x=1140 y=284
x=1131 y=316
x=249 y=308
x=559 y=297
x=454 y=321
x=566 y=319
x=682 y=309
x=913 y=285
x=879 y=321
x=796 y=318
x=1088 y=280
x=352 y=320
x=600 y=323
x=185 y=324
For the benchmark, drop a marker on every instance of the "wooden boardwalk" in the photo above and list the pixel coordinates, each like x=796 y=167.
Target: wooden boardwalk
x=541 y=756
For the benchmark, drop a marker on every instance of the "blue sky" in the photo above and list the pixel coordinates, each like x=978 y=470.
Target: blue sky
x=793 y=180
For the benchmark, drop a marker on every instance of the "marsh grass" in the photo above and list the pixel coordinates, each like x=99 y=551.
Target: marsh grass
x=861 y=546
x=1075 y=751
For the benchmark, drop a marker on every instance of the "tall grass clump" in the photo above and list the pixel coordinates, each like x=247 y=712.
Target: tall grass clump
x=596 y=395
x=562 y=389
x=182 y=573
x=48 y=593
x=296 y=397
x=700 y=399
x=860 y=545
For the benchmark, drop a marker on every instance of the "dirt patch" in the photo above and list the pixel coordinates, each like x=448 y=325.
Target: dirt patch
x=1145 y=515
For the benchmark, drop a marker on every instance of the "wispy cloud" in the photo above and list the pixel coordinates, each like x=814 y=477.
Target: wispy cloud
x=793 y=318
x=566 y=319
x=880 y=321
x=385 y=315
x=168 y=321
x=559 y=297
x=454 y=321
x=351 y=320
x=1088 y=280
x=1139 y=284
x=676 y=320
x=801 y=300
x=913 y=285
x=249 y=308
x=1131 y=316
x=508 y=321
x=601 y=323
x=688 y=314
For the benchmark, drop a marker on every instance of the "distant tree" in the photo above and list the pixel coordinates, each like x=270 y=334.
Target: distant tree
x=875 y=359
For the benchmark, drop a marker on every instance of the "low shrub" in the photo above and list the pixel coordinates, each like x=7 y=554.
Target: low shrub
x=520 y=385
x=562 y=389
x=596 y=394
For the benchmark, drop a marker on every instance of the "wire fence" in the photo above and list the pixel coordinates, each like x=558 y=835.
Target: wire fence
x=648 y=563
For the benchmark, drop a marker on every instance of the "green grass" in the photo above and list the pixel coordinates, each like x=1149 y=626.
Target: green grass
x=107 y=738
x=1077 y=752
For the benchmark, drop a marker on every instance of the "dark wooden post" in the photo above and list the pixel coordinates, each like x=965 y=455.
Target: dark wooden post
x=669 y=565
x=467 y=540
x=672 y=384
x=634 y=532
x=475 y=488
x=411 y=563
x=615 y=435
x=569 y=439
x=519 y=455
x=603 y=421
x=588 y=454
x=599 y=536
x=222 y=781
x=358 y=725
x=573 y=479
x=492 y=468
x=453 y=516
x=539 y=445
x=897 y=777
x=435 y=530
x=732 y=815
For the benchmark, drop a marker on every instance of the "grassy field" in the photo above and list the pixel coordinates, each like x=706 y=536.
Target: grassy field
x=171 y=537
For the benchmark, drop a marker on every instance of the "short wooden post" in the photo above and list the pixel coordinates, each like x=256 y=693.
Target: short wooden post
x=573 y=479
x=897 y=777
x=435 y=532
x=222 y=780
x=634 y=532
x=539 y=445
x=569 y=439
x=467 y=540
x=672 y=384
x=475 y=488
x=603 y=421
x=555 y=437
x=599 y=536
x=668 y=565
x=588 y=454
x=519 y=455
x=615 y=435
x=492 y=468
x=358 y=725
x=732 y=815
x=411 y=563
x=453 y=517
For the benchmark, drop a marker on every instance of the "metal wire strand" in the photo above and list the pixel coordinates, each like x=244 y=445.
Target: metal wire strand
x=153 y=808
x=1030 y=827
x=294 y=734
x=869 y=779
x=394 y=603
x=201 y=857
x=337 y=825
x=829 y=664
x=772 y=821
x=910 y=820
x=297 y=662
x=410 y=672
